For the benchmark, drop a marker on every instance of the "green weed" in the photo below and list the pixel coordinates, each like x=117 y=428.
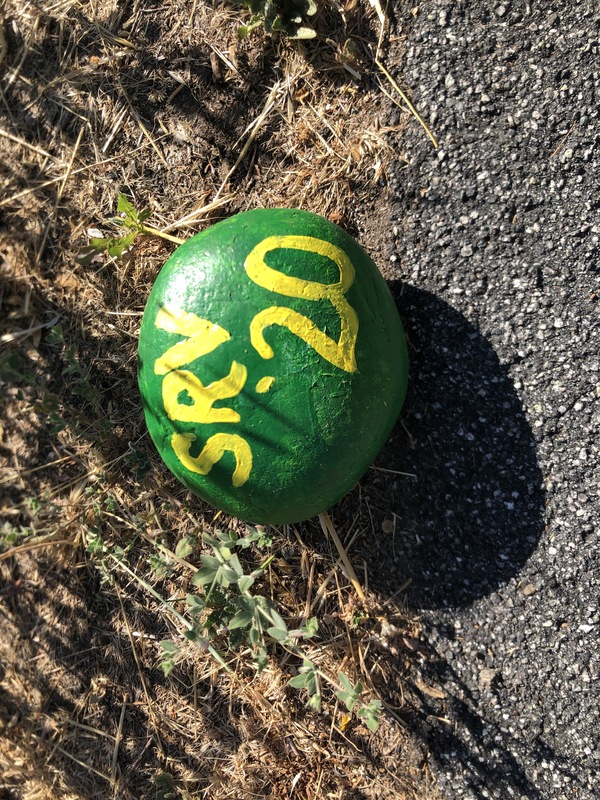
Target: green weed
x=228 y=613
x=133 y=224
x=350 y=696
x=287 y=17
x=10 y=536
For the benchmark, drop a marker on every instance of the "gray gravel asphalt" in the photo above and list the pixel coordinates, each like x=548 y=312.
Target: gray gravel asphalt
x=497 y=240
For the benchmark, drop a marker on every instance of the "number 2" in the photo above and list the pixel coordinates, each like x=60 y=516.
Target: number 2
x=340 y=353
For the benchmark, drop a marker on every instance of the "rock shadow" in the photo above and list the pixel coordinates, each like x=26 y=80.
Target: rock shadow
x=473 y=512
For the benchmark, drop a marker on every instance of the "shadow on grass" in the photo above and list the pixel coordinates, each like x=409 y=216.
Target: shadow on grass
x=81 y=688
x=65 y=632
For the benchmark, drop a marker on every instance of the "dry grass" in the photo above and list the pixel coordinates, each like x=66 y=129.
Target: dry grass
x=160 y=101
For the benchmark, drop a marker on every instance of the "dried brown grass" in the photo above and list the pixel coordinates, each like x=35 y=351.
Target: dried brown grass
x=160 y=101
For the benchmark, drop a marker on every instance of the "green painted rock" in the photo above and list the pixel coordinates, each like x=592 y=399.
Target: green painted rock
x=272 y=364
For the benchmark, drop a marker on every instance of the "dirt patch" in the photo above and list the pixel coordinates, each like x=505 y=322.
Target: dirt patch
x=164 y=103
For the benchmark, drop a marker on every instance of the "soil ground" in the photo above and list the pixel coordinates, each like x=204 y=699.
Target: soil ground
x=164 y=103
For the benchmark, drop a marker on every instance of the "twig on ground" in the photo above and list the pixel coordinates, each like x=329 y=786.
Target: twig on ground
x=151 y=713
x=61 y=188
x=155 y=232
x=88 y=167
x=3 y=45
x=24 y=548
x=34 y=148
x=328 y=528
x=11 y=337
x=405 y=99
x=141 y=125
x=395 y=472
x=115 y=755
x=562 y=142
x=82 y=764
x=198 y=213
x=253 y=128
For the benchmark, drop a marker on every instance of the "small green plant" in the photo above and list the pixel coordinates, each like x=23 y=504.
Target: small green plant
x=12 y=370
x=228 y=606
x=133 y=224
x=81 y=385
x=165 y=787
x=228 y=610
x=350 y=696
x=280 y=16
x=161 y=567
x=11 y=536
x=78 y=382
x=308 y=678
x=371 y=714
x=16 y=371
x=137 y=461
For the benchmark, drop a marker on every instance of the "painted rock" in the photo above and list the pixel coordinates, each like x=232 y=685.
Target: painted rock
x=272 y=364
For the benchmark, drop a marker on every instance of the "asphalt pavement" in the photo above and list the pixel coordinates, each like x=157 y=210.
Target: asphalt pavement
x=495 y=236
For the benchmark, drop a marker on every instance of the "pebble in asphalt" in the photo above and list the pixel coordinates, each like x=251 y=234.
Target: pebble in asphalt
x=496 y=236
